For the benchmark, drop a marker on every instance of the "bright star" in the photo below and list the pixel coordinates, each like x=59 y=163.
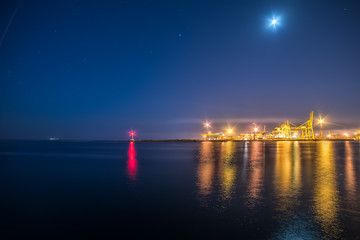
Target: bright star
x=274 y=22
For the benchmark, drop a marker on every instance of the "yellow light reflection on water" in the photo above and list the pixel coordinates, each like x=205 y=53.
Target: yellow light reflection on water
x=256 y=173
x=350 y=180
x=287 y=176
x=227 y=169
x=326 y=197
x=206 y=168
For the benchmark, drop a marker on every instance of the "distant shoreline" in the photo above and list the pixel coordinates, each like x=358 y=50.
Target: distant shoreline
x=182 y=140
x=260 y=140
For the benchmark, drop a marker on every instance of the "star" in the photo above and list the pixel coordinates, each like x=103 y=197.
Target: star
x=274 y=22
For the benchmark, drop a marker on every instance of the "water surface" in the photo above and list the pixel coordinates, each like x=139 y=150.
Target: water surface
x=263 y=190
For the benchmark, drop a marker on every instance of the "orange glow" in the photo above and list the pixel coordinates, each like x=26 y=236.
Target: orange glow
x=206 y=168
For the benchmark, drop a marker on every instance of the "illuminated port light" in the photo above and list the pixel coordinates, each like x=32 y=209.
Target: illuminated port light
x=132 y=134
x=207 y=124
x=287 y=130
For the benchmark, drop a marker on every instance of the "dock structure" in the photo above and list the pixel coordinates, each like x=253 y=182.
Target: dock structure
x=289 y=130
x=286 y=131
x=211 y=136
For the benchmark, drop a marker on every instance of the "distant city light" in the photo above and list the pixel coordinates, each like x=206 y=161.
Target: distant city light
x=287 y=130
x=207 y=124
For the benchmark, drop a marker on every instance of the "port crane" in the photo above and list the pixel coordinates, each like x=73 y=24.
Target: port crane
x=290 y=130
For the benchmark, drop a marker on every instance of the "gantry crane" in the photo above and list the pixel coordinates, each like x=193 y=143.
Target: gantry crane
x=290 y=130
x=306 y=128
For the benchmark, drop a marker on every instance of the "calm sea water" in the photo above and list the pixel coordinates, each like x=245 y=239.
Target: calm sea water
x=261 y=190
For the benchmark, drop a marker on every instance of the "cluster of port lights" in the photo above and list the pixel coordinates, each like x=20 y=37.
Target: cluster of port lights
x=207 y=125
x=287 y=130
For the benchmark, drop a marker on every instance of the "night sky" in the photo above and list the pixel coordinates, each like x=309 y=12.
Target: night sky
x=96 y=69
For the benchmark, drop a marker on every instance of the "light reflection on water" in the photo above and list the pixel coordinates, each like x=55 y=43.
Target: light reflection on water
x=132 y=167
x=255 y=173
x=206 y=168
x=299 y=179
x=350 y=182
x=326 y=199
x=287 y=176
x=253 y=190
x=227 y=169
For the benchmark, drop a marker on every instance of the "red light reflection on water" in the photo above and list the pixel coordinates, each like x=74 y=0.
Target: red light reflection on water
x=132 y=163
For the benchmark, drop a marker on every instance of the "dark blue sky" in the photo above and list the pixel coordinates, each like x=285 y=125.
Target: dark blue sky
x=95 y=69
